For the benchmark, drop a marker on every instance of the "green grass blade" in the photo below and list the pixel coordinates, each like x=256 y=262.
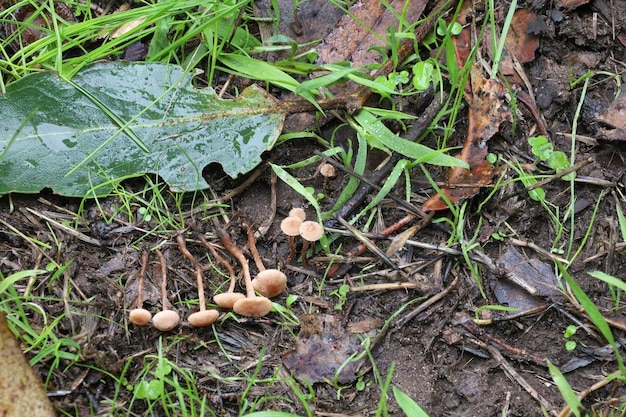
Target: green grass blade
x=566 y=390
x=408 y=405
x=594 y=314
x=13 y=278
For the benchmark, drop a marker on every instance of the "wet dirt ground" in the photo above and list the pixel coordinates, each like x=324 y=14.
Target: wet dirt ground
x=440 y=357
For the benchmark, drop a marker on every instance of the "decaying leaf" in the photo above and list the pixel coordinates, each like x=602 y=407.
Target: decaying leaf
x=21 y=392
x=487 y=110
x=533 y=272
x=571 y=4
x=365 y=25
x=122 y=119
x=520 y=44
x=325 y=350
x=615 y=116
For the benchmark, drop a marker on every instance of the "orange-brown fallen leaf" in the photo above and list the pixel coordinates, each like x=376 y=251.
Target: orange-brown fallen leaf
x=21 y=392
x=615 y=116
x=487 y=110
x=520 y=43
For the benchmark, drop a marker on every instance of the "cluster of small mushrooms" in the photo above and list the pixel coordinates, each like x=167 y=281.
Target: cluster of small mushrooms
x=268 y=283
x=296 y=225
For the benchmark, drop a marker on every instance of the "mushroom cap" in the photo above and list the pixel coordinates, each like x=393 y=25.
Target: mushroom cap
x=165 y=320
x=140 y=316
x=291 y=225
x=298 y=212
x=270 y=283
x=253 y=306
x=311 y=231
x=227 y=299
x=203 y=318
x=328 y=170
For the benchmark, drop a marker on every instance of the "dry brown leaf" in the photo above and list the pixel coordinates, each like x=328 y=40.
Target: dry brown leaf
x=21 y=392
x=323 y=346
x=615 y=116
x=352 y=40
x=571 y=4
x=487 y=110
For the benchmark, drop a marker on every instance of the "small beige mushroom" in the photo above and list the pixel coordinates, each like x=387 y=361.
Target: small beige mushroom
x=252 y=305
x=268 y=282
x=298 y=212
x=310 y=232
x=139 y=316
x=328 y=171
x=291 y=227
x=203 y=317
x=165 y=320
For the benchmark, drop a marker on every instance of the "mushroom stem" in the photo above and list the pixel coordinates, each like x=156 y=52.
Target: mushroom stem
x=164 y=300
x=222 y=261
x=238 y=254
x=139 y=316
x=165 y=320
x=252 y=246
x=303 y=254
x=180 y=239
x=203 y=317
x=230 y=297
x=142 y=274
x=292 y=249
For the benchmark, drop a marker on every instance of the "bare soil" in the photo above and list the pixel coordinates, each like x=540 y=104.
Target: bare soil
x=449 y=365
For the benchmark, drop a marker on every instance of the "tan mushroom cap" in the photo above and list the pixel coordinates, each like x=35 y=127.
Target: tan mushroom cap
x=228 y=299
x=203 y=318
x=165 y=320
x=253 y=306
x=298 y=212
x=291 y=225
x=270 y=282
x=328 y=170
x=311 y=231
x=140 y=316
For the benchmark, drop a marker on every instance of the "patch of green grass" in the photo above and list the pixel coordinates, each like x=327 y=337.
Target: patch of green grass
x=41 y=339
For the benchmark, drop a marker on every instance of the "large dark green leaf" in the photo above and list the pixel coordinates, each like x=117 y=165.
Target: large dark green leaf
x=119 y=120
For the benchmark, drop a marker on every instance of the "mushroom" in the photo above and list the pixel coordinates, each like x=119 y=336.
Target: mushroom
x=268 y=282
x=139 y=316
x=203 y=317
x=291 y=227
x=328 y=170
x=298 y=212
x=252 y=305
x=228 y=298
x=311 y=232
x=165 y=320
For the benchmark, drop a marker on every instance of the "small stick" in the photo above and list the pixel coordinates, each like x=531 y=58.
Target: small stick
x=511 y=372
x=388 y=286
